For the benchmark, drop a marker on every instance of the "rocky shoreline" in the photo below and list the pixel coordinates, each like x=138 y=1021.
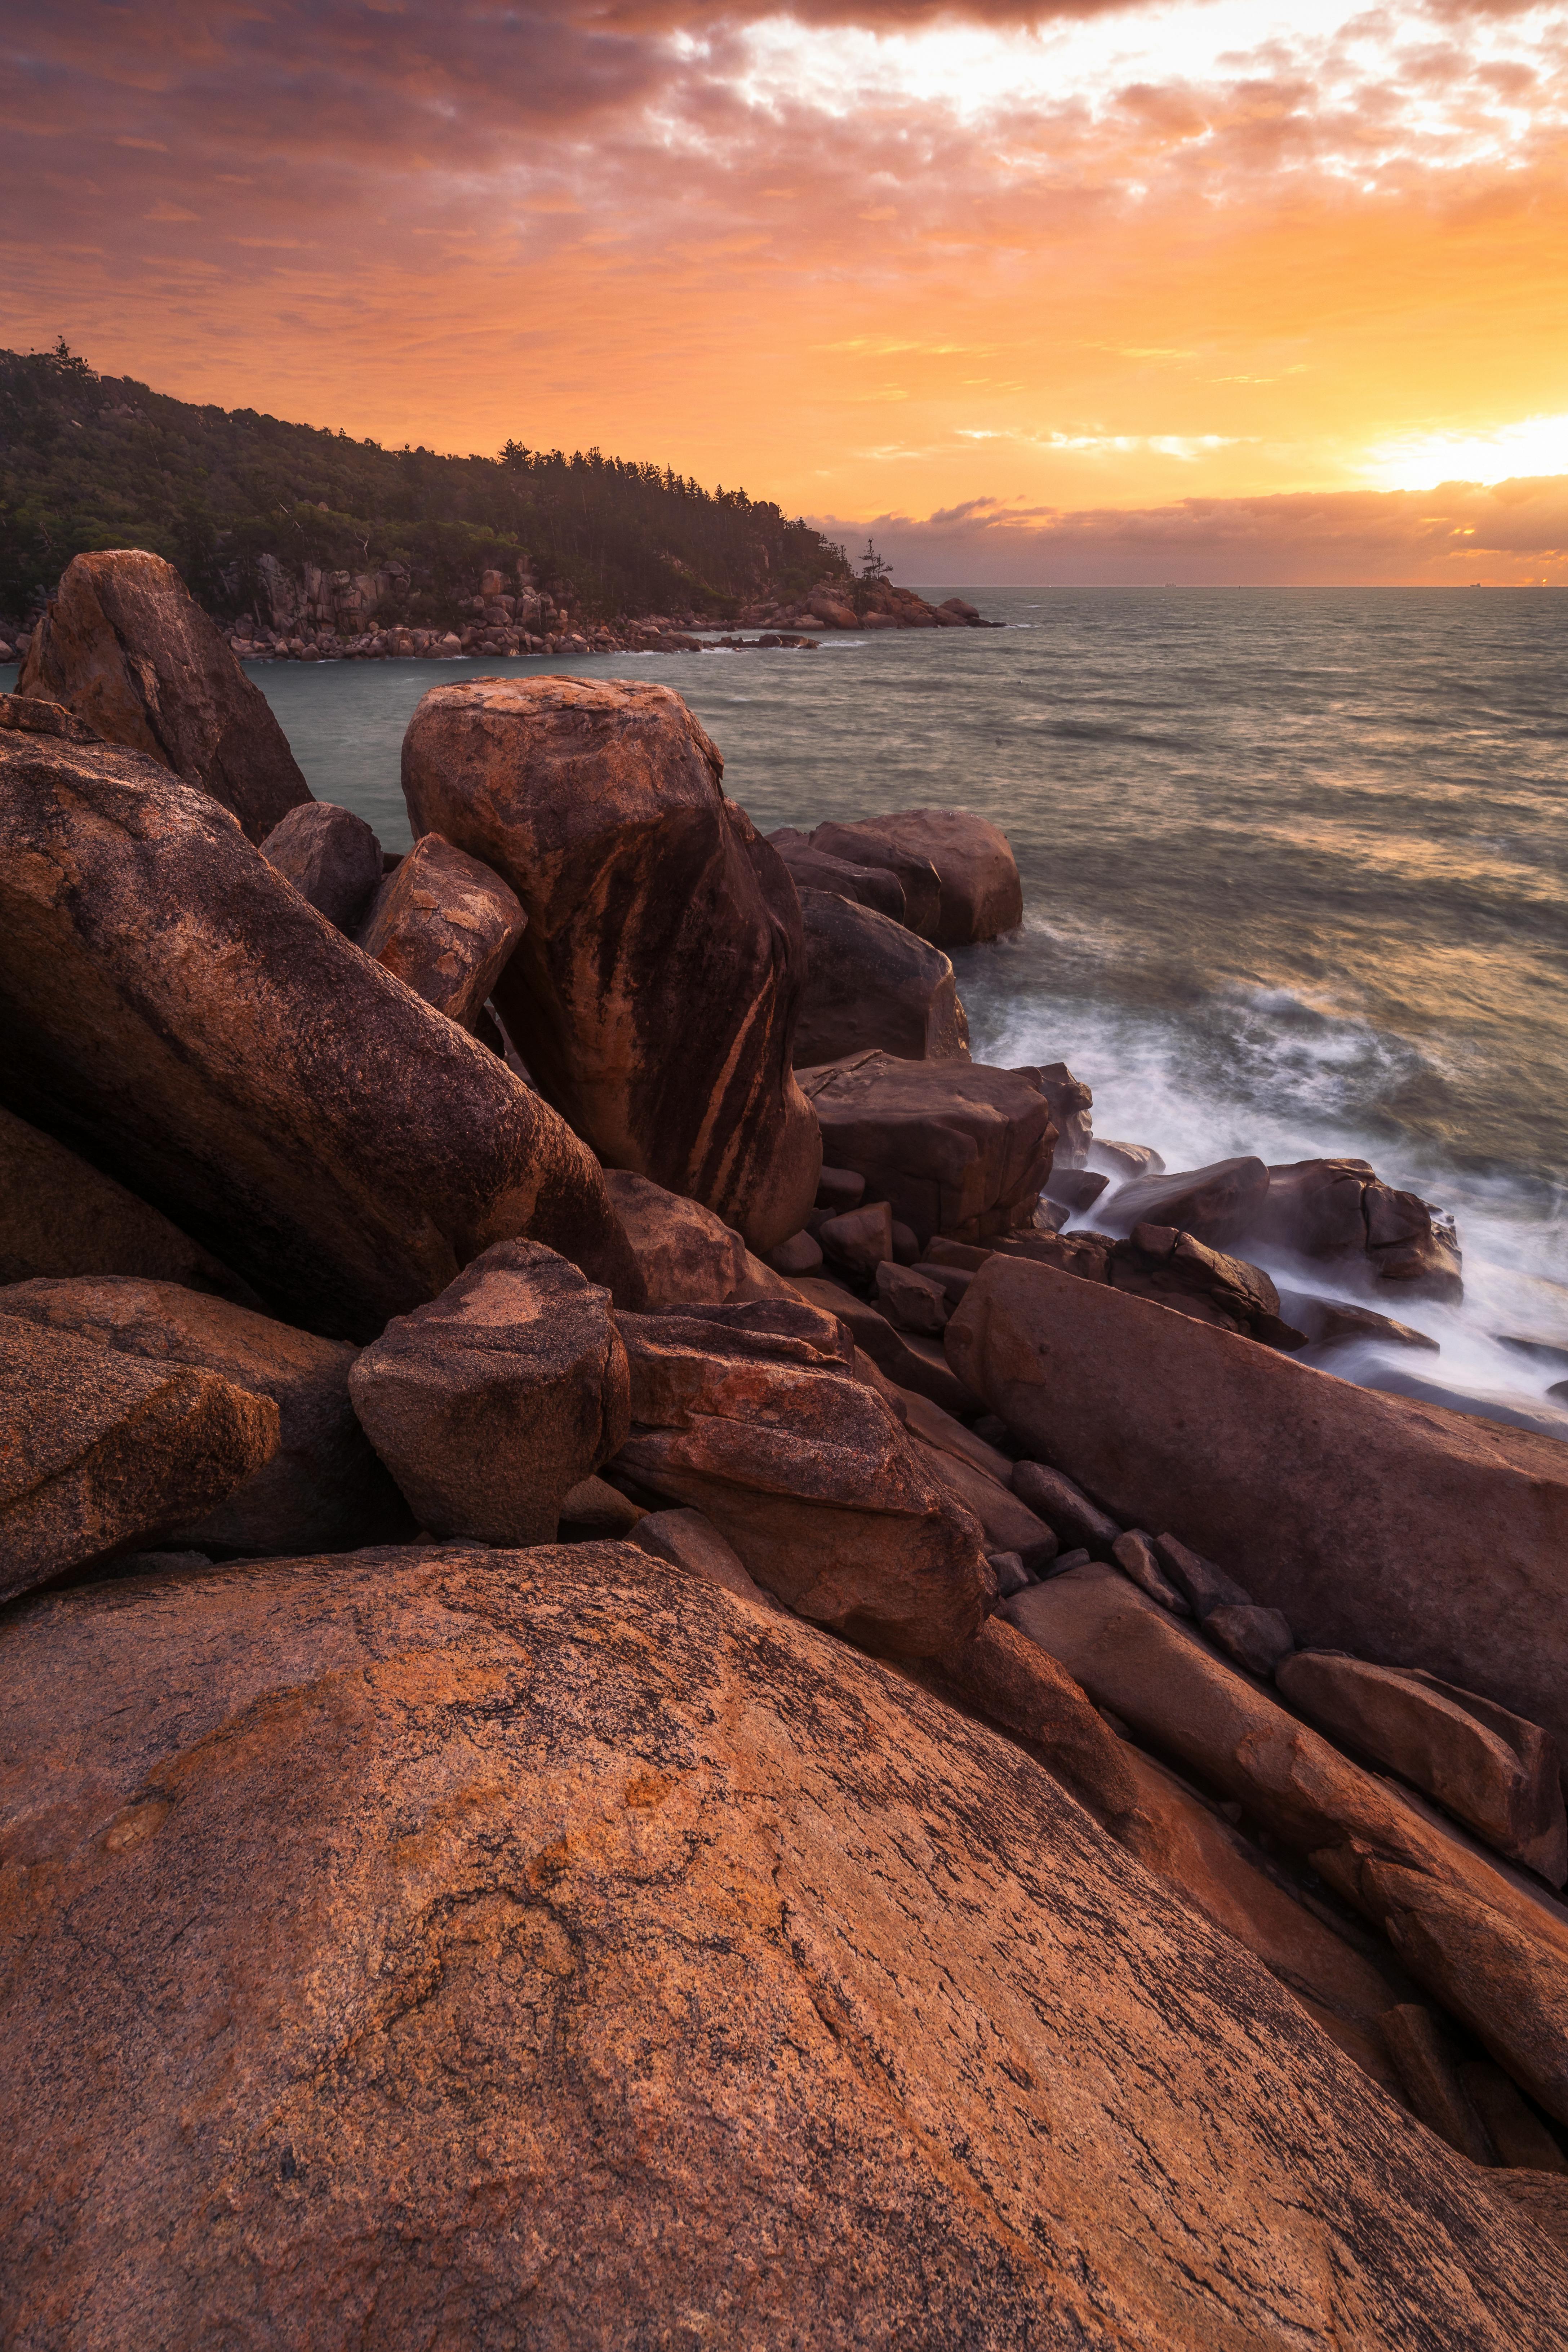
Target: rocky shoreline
x=643 y=1679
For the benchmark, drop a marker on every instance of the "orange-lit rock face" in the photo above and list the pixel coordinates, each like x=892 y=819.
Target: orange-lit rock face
x=654 y=992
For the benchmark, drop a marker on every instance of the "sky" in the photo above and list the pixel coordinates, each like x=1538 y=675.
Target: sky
x=1213 y=289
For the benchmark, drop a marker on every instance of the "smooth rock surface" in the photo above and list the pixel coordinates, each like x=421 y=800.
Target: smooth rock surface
x=1494 y=1771
x=917 y=877
x=688 y=1539
x=454 y=1947
x=814 y=869
x=126 y=648
x=331 y=856
x=1066 y=1507
x=955 y=1148
x=1218 y=1204
x=871 y=985
x=101 y=1454
x=684 y=1253
x=59 y=1216
x=1403 y=1533
x=1332 y=1211
x=445 y=926
x=754 y=1415
x=171 y=1008
x=490 y=1404
x=324 y=1489
x=907 y=1359
x=655 y=992
x=980 y=895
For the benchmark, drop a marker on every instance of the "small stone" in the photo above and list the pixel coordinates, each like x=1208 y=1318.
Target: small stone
x=1205 y=1586
x=906 y=1248
x=1065 y=1507
x=1011 y=1574
x=1258 y=1639
x=839 y=1189
x=1135 y=1555
x=800 y=1255
x=910 y=1300
x=860 y=1239
x=592 y=1511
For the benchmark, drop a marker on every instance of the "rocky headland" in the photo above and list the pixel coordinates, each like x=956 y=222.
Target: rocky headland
x=681 y=1668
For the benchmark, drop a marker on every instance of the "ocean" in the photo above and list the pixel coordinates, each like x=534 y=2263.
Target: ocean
x=1295 y=867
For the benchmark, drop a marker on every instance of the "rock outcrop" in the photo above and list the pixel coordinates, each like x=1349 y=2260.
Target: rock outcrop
x=870 y=984
x=956 y=1147
x=754 y=1414
x=61 y=1216
x=1409 y=1535
x=125 y=646
x=324 y=1489
x=549 y=1946
x=445 y=926
x=171 y=1007
x=979 y=895
x=331 y=856
x=490 y=1404
x=654 y=992
x=103 y=1455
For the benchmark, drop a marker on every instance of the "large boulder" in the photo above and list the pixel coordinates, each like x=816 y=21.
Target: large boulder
x=754 y=1414
x=490 y=1404
x=101 y=1454
x=1338 y=1210
x=1218 y=1205
x=870 y=983
x=128 y=649
x=331 y=858
x=1491 y=1952
x=61 y=1216
x=1412 y=1536
x=172 y=1009
x=956 y=1147
x=550 y=1949
x=917 y=877
x=446 y=925
x=979 y=895
x=324 y=1489
x=684 y=1253
x=654 y=992
x=814 y=869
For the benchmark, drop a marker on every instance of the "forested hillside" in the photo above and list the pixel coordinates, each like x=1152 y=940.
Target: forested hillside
x=90 y=460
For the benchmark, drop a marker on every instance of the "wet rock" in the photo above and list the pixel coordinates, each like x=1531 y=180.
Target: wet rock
x=1257 y=1639
x=1330 y=1210
x=322 y=1489
x=955 y=1148
x=1072 y=1112
x=752 y=1415
x=979 y=893
x=1064 y=1508
x=490 y=1403
x=1124 y=1162
x=331 y=856
x=656 y=914
x=689 y=1540
x=911 y=1301
x=301 y=1114
x=871 y=983
x=590 y=1817
x=126 y=649
x=861 y=1239
x=59 y=1216
x=1135 y=1555
x=444 y=925
x=1217 y=1204
x=1337 y=1322
x=1158 y=1262
x=100 y=1453
x=1075 y=1189
x=1359 y=1514
x=1493 y=1957
x=814 y=869
x=1509 y=1408
x=1491 y=1769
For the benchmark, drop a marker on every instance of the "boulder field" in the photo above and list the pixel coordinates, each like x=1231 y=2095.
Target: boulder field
x=680 y=1667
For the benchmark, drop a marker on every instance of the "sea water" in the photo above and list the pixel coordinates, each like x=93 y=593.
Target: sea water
x=1295 y=870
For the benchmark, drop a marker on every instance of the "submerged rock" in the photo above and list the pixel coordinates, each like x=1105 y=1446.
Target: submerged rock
x=697 y=1966
x=125 y=647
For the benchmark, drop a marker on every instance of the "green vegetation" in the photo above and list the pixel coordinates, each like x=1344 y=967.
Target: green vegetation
x=90 y=461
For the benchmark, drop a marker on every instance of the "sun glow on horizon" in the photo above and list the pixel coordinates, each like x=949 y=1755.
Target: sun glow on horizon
x=1534 y=449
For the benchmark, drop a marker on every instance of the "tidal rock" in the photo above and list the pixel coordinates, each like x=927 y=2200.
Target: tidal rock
x=955 y=1148
x=683 y=1252
x=1072 y=1113
x=1075 y=1189
x=324 y=1489
x=127 y=649
x=172 y=1009
x=1492 y=1955
x=1491 y=1769
x=979 y=895
x=444 y=925
x=753 y=1414
x=1338 y=1210
x=101 y=1454
x=690 y=1539
x=814 y=869
x=490 y=1403
x=1123 y=1162
x=655 y=991
x=871 y=983
x=1408 y=1535
x=61 y=1216
x=653 y=1896
x=1338 y=1322
x=1218 y=1204
x=331 y=856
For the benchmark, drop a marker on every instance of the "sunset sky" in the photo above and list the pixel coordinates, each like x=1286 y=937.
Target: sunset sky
x=1213 y=289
